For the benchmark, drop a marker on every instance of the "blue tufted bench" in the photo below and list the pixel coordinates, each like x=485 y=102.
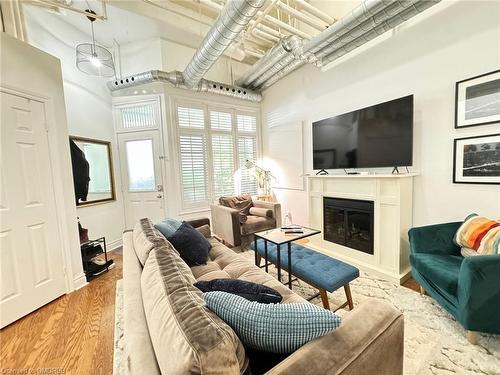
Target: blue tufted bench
x=325 y=273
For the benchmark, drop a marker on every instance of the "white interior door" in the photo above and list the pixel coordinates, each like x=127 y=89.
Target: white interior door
x=31 y=265
x=142 y=178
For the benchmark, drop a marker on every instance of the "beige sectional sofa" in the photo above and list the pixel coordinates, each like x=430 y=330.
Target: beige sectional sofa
x=169 y=330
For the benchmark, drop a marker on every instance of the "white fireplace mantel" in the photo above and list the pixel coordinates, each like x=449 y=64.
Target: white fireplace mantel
x=392 y=197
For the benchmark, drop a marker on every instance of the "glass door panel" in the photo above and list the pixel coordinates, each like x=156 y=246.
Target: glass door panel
x=140 y=165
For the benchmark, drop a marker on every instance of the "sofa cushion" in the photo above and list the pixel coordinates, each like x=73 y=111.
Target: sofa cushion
x=205 y=230
x=145 y=237
x=256 y=224
x=225 y=263
x=192 y=246
x=168 y=226
x=259 y=211
x=246 y=289
x=442 y=270
x=275 y=328
x=177 y=317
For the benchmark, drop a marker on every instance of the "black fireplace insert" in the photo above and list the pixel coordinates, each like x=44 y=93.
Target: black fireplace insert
x=349 y=222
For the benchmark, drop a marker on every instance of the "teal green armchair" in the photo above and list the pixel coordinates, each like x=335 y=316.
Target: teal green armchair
x=468 y=288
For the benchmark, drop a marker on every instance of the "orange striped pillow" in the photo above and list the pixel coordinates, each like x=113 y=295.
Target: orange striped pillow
x=480 y=234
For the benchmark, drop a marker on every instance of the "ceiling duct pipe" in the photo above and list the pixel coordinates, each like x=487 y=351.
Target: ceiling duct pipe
x=234 y=17
x=335 y=53
x=288 y=44
x=362 y=24
x=358 y=15
x=175 y=78
x=367 y=9
x=387 y=17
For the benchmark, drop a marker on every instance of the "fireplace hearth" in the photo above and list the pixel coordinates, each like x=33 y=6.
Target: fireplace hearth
x=349 y=222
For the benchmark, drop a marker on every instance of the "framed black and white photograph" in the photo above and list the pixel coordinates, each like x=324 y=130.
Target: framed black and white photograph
x=477 y=100
x=476 y=160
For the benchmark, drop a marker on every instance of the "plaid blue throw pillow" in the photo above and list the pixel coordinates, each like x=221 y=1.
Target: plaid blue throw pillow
x=276 y=328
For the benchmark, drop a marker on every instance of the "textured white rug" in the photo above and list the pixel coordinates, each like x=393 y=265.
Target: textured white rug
x=435 y=344
x=119 y=338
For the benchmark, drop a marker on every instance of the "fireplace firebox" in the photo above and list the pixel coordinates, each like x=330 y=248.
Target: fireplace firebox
x=349 y=222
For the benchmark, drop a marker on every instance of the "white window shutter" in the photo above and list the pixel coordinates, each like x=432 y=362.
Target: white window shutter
x=138 y=116
x=223 y=164
x=192 y=118
x=221 y=121
x=246 y=123
x=247 y=149
x=209 y=150
x=193 y=169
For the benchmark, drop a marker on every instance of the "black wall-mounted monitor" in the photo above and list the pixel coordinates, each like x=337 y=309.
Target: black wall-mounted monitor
x=371 y=137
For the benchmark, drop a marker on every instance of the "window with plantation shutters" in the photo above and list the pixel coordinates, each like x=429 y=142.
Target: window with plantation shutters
x=138 y=116
x=223 y=164
x=214 y=144
x=246 y=123
x=193 y=118
x=193 y=168
x=247 y=149
x=221 y=121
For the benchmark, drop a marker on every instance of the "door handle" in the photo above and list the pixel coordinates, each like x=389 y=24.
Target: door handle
x=159 y=196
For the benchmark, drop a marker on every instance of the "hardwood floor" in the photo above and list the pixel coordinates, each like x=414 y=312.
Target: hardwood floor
x=412 y=284
x=73 y=333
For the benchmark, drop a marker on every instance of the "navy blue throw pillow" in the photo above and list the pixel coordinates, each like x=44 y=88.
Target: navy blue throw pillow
x=246 y=289
x=192 y=246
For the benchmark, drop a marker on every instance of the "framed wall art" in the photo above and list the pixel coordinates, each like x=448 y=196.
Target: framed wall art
x=477 y=100
x=476 y=160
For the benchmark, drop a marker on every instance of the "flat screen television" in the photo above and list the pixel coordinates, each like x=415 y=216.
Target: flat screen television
x=371 y=137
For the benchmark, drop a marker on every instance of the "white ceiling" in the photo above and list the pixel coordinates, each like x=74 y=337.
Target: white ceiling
x=131 y=21
x=124 y=26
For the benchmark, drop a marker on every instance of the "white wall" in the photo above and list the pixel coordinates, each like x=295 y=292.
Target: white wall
x=88 y=108
x=159 y=53
x=89 y=102
x=424 y=58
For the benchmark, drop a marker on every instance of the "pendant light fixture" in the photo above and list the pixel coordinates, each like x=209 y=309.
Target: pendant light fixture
x=93 y=59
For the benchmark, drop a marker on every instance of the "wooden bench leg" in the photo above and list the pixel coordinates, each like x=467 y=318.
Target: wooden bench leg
x=347 y=289
x=472 y=337
x=324 y=299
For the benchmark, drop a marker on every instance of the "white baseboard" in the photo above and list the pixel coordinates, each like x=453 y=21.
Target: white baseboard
x=113 y=245
x=79 y=281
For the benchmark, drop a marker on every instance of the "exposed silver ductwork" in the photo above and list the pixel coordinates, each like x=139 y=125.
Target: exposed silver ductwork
x=367 y=21
x=176 y=79
x=370 y=19
x=234 y=17
x=287 y=45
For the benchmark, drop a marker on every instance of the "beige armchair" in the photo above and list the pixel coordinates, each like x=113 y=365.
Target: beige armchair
x=226 y=222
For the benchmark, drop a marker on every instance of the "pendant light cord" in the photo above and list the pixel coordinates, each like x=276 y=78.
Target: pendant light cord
x=93 y=39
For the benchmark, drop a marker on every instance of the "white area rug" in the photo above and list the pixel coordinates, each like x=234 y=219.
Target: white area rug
x=119 y=338
x=435 y=344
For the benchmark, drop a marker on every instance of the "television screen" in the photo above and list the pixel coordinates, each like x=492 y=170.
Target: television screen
x=376 y=136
